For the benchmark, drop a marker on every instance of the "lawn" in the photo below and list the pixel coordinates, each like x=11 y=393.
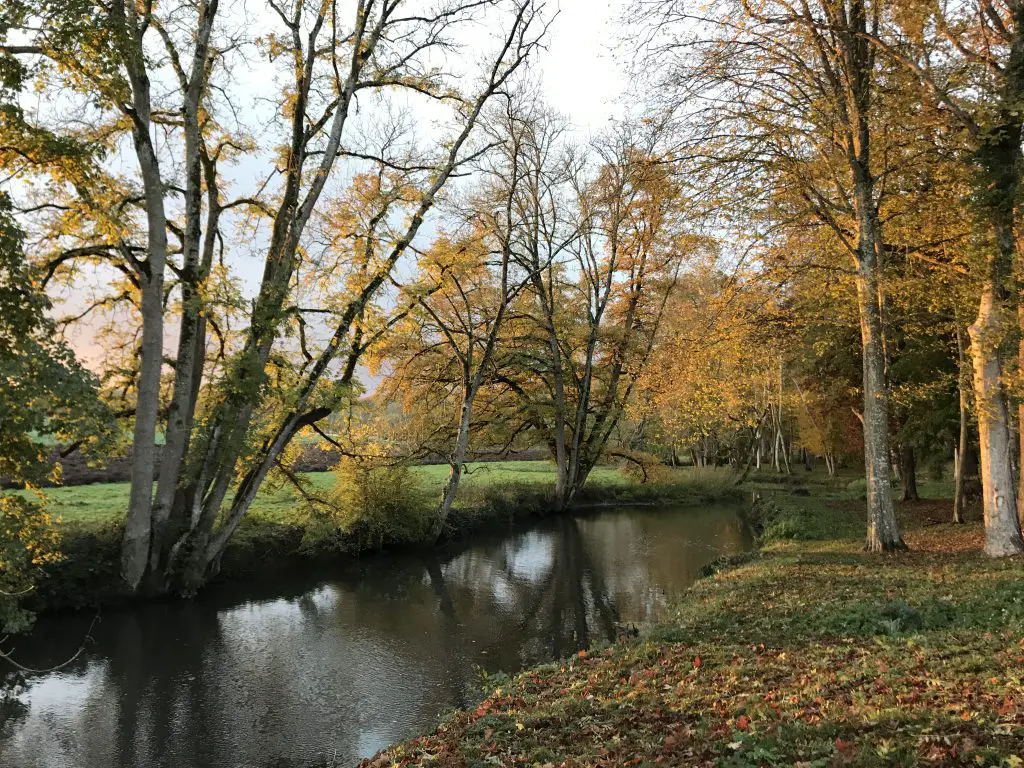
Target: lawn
x=105 y=502
x=811 y=653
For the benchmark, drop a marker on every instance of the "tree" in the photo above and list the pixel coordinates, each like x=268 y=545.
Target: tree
x=226 y=421
x=783 y=99
x=470 y=286
x=968 y=60
x=712 y=380
x=603 y=251
x=45 y=393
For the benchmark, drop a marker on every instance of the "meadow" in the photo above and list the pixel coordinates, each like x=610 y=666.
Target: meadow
x=107 y=502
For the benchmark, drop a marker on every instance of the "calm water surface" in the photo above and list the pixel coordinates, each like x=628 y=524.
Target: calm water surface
x=325 y=669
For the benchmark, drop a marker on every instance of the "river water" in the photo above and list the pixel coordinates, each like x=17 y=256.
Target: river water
x=324 y=668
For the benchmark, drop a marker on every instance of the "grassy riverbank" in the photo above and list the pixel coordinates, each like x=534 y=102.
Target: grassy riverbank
x=102 y=503
x=281 y=531
x=810 y=653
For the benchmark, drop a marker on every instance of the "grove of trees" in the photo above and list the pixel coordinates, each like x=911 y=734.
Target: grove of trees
x=801 y=244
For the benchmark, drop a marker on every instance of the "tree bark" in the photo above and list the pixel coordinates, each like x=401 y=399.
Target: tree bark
x=196 y=262
x=1002 y=527
x=1020 y=416
x=960 y=450
x=137 y=530
x=998 y=167
x=455 y=468
x=883 y=531
x=908 y=463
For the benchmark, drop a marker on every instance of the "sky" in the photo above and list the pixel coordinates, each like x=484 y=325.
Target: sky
x=577 y=73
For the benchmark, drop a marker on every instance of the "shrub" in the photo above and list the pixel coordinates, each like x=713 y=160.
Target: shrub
x=28 y=541
x=858 y=486
x=377 y=503
x=641 y=467
x=898 y=616
x=782 y=528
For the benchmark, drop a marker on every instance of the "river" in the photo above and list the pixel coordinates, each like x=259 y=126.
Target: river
x=321 y=669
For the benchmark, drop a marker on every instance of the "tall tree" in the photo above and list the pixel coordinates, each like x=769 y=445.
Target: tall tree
x=226 y=424
x=472 y=284
x=969 y=62
x=782 y=97
x=604 y=252
x=46 y=393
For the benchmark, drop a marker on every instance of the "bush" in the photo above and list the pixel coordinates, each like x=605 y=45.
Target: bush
x=784 y=527
x=376 y=503
x=28 y=541
x=858 y=486
x=787 y=519
x=642 y=467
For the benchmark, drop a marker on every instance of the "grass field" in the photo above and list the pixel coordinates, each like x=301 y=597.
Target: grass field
x=105 y=502
x=810 y=653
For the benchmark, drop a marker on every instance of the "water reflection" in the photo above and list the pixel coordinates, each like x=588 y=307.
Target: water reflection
x=326 y=671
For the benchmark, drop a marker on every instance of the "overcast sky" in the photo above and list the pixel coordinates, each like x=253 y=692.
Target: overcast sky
x=580 y=76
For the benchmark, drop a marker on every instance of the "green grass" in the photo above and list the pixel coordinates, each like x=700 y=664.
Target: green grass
x=107 y=502
x=810 y=653
x=281 y=529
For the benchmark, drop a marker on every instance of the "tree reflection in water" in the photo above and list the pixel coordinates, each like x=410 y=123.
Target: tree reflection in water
x=330 y=667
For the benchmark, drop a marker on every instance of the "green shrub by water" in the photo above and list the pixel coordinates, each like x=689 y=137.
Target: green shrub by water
x=374 y=504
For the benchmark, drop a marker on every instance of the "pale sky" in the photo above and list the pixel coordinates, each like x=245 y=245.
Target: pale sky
x=579 y=77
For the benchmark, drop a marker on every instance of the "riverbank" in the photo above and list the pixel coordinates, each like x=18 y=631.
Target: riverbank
x=810 y=653
x=279 y=533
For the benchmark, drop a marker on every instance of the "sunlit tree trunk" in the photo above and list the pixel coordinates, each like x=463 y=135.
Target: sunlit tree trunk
x=1020 y=415
x=137 y=529
x=998 y=161
x=1002 y=527
x=960 y=451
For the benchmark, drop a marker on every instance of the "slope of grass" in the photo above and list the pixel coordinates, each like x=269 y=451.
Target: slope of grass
x=812 y=653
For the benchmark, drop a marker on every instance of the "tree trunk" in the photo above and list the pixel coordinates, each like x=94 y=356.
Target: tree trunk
x=909 y=472
x=998 y=159
x=883 y=533
x=168 y=512
x=960 y=450
x=137 y=529
x=1002 y=527
x=775 y=442
x=456 y=465
x=997 y=186
x=1020 y=433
